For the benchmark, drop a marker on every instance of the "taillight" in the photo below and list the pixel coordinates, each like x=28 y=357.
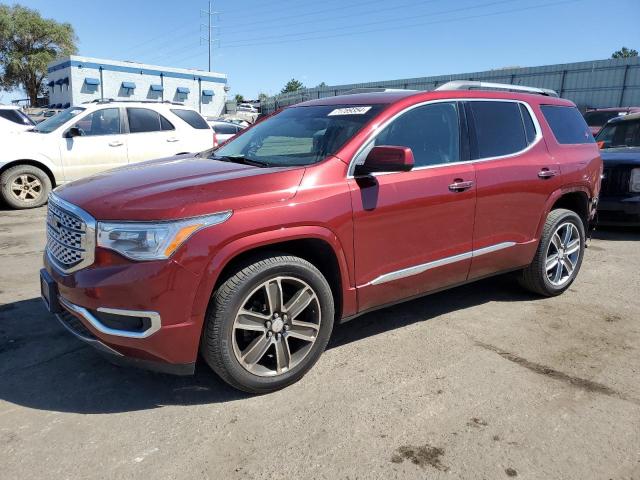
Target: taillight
x=600 y=144
x=215 y=139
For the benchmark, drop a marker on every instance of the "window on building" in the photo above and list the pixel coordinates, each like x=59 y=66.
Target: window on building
x=192 y=118
x=499 y=128
x=567 y=124
x=100 y=122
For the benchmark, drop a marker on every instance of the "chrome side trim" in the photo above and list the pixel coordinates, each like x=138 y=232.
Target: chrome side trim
x=367 y=143
x=154 y=317
x=417 y=269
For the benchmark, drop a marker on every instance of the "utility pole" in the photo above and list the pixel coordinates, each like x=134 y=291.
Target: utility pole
x=209 y=38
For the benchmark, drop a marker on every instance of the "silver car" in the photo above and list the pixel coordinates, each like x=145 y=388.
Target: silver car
x=223 y=131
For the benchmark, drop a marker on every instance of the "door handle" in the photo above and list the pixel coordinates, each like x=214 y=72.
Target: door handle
x=546 y=173
x=459 y=185
x=116 y=143
x=172 y=139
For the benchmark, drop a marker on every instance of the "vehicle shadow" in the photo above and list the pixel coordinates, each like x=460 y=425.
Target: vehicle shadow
x=616 y=233
x=43 y=367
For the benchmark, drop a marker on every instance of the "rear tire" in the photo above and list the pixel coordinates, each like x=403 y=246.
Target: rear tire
x=268 y=323
x=25 y=186
x=559 y=256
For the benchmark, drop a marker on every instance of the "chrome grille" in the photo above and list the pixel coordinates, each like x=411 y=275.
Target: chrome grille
x=70 y=235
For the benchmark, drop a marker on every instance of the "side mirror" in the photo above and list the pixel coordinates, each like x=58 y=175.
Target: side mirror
x=386 y=159
x=74 y=132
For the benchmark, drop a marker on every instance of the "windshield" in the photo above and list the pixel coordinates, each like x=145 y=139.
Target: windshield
x=597 y=119
x=300 y=135
x=52 y=123
x=620 y=134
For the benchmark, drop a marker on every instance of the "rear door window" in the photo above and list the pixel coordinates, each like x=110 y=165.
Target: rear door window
x=143 y=120
x=192 y=118
x=499 y=128
x=567 y=124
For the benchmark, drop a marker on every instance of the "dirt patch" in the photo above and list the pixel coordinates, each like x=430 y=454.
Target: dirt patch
x=477 y=422
x=420 y=455
x=511 y=472
x=582 y=383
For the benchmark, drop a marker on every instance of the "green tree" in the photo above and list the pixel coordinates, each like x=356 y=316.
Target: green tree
x=28 y=43
x=321 y=85
x=624 y=52
x=262 y=96
x=239 y=98
x=292 y=85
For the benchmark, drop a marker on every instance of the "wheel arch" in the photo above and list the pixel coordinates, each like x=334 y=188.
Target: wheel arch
x=318 y=245
x=33 y=163
x=576 y=199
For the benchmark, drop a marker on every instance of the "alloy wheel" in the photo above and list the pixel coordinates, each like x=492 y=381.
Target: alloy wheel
x=563 y=254
x=26 y=187
x=276 y=326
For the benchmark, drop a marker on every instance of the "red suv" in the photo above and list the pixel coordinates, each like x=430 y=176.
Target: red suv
x=248 y=254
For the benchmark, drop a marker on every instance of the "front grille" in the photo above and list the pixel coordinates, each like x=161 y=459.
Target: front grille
x=616 y=181
x=70 y=241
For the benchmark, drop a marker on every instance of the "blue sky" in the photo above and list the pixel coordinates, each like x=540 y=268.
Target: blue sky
x=264 y=43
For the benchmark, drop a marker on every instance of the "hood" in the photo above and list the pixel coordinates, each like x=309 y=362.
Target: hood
x=620 y=156
x=179 y=187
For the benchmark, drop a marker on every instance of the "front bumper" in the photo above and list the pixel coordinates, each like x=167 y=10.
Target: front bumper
x=161 y=293
x=621 y=210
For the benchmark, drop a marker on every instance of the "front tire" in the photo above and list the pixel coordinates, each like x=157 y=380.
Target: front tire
x=24 y=186
x=268 y=323
x=559 y=256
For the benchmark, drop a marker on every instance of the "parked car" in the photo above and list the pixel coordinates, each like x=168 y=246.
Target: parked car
x=335 y=207
x=247 y=107
x=87 y=139
x=597 y=118
x=620 y=197
x=223 y=131
x=13 y=119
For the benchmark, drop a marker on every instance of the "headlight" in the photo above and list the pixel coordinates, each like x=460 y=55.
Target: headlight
x=634 y=183
x=152 y=240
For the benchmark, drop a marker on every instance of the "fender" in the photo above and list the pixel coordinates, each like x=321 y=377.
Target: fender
x=553 y=198
x=231 y=250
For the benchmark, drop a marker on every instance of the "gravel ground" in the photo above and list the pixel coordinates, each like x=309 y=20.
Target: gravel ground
x=483 y=381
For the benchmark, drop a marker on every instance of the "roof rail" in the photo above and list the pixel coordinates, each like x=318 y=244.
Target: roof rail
x=354 y=91
x=112 y=100
x=469 y=84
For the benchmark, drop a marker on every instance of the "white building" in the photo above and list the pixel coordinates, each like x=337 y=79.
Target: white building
x=74 y=80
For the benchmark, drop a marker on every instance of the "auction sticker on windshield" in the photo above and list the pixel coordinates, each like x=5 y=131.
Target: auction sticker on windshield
x=349 y=111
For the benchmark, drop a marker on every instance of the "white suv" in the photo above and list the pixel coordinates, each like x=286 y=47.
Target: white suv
x=13 y=119
x=90 y=138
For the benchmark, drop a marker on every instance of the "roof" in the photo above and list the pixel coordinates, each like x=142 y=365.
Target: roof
x=396 y=96
x=625 y=118
x=614 y=109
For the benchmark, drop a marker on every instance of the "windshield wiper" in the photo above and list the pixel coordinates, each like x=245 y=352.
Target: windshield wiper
x=240 y=159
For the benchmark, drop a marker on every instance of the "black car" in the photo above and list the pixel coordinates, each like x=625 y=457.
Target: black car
x=619 y=201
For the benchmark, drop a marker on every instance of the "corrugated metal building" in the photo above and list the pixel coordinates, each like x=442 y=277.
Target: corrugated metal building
x=73 y=80
x=595 y=84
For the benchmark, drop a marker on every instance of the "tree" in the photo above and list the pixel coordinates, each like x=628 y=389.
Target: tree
x=28 y=43
x=321 y=85
x=262 y=96
x=292 y=85
x=624 y=52
x=239 y=98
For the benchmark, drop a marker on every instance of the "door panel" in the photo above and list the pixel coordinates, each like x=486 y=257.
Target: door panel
x=100 y=147
x=406 y=220
x=151 y=136
x=511 y=195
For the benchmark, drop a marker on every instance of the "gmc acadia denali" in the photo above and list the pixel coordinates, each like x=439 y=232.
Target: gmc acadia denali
x=248 y=254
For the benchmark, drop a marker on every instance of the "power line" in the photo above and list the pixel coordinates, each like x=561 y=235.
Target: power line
x=380 y=22
x=397 y=26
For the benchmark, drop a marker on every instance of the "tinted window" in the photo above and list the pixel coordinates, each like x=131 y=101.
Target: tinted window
x=567 y=124
x=529 y=127
x=225 y=129
x=431 y=132
x=166 y=124
x=16 y=116
x=143 y=120
x=192 y=118
x=100 y=122
x=499 y=129
x=620 y=134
